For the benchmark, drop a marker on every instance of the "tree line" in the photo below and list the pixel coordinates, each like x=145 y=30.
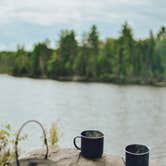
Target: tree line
x=118 y=60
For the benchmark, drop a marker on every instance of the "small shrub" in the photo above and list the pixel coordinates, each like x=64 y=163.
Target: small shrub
x=53 y=135
x=7 y=144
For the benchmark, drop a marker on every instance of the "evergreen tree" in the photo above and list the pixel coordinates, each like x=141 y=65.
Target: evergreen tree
x=162 y=33
x=22 y=65
x=110 y=52
x=160 y=51
x=126 y=47
x=93 y=51
x=40 y=56
x=138 y=62
x=54 y=66
x=93 y=41
x=68 y=50
x=119 y=60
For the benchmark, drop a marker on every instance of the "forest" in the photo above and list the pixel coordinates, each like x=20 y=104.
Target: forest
x=122 y=60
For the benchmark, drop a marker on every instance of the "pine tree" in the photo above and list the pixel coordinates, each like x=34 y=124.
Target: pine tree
x=93 y=40
x=68 y=51
x=126 y=47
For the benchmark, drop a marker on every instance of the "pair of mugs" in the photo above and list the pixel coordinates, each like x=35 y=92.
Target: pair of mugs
x=92 y=145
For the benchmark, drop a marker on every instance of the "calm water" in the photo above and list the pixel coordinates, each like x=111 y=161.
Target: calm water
x=126 y=114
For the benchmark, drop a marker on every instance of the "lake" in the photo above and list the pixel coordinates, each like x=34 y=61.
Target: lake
x=126 y=114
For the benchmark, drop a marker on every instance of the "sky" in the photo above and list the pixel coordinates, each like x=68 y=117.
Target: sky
x=26 y=22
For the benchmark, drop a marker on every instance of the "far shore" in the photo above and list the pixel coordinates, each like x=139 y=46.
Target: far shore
x=92 y=80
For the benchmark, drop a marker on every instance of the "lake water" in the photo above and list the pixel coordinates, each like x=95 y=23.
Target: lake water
x=126 y=114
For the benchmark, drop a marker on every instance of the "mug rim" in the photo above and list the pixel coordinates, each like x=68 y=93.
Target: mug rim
x=102 y=135
x=137 y=154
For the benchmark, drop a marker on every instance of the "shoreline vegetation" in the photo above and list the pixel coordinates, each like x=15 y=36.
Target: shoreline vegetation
x=122 y=60
x=85 y=80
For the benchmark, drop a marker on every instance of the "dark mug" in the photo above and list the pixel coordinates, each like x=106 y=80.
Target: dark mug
x=137 y=155
x=92 y=144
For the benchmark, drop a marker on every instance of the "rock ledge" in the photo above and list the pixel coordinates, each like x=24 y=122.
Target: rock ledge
x=72 y=157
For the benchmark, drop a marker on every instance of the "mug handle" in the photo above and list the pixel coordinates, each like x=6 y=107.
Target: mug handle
x=74 y=141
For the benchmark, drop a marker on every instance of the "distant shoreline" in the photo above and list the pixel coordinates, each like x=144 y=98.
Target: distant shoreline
x=87 y=80
x=123 y=60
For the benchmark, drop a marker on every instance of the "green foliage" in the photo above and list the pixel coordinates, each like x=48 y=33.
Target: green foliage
x=121 y=60
x=125 y=51
x=53 y=134
x=91 y=67
x=110 y=54
x=7 y=141
x=7 y=137
x=22 y=65
x=7 y=60
x=39 y=59
x=162 y=33
x=91 y=51
x=160 y=52
x=67 y=51
x=93 y=40
x=54 y=66
x=79 y=65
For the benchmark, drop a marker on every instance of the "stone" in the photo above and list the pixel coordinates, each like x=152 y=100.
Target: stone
x=72 y=157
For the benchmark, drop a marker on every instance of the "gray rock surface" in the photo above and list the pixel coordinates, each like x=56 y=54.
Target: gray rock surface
x=72 y=157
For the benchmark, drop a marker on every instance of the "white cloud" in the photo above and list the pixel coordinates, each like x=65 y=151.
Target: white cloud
x=50 y=12
x=28 y=21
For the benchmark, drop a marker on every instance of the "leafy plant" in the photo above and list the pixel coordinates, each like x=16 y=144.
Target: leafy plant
x=7 y=144
x=53 y=135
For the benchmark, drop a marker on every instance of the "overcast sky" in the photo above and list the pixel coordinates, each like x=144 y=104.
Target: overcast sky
x=29 y=21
